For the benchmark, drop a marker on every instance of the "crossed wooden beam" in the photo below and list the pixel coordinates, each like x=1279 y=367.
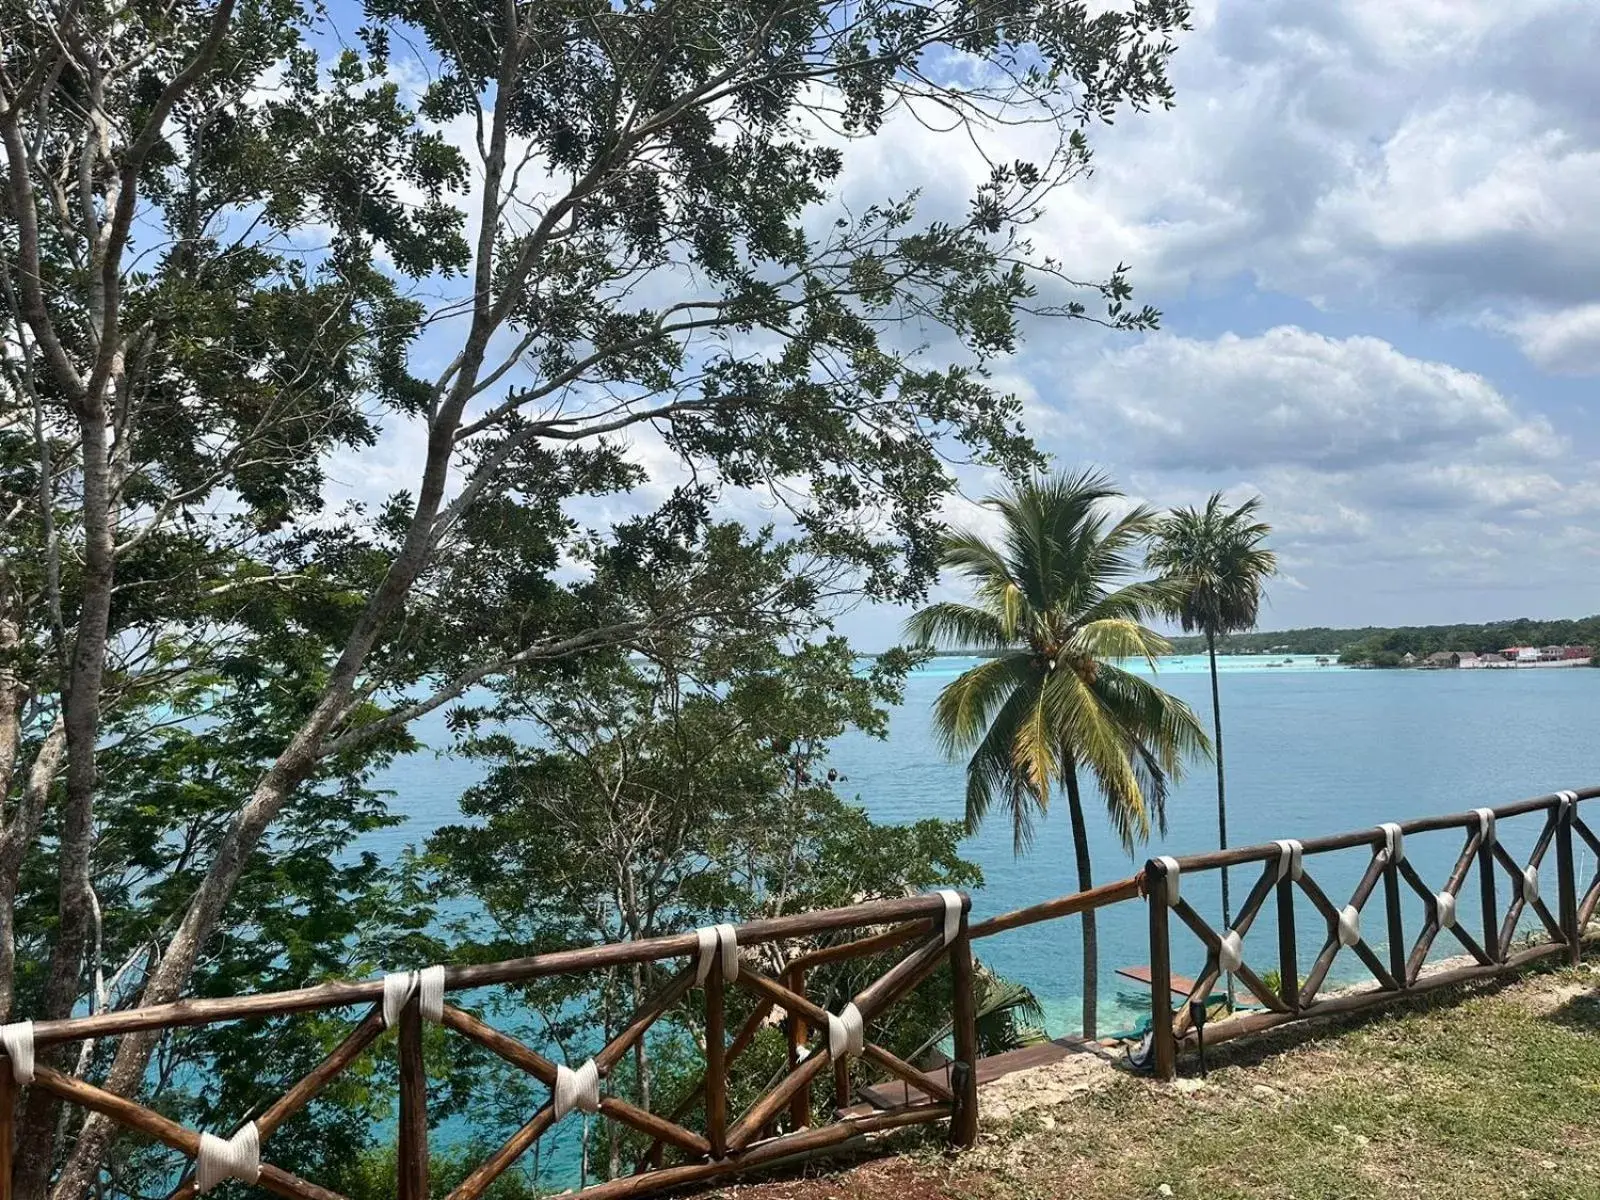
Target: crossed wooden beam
x=1403 y=969
x=721 y=1139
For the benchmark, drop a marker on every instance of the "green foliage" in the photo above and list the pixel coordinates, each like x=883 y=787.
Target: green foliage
x=1055 y=599
x=1217 y=557
x=644 y=797
x=585 y=270
x=1419 y=640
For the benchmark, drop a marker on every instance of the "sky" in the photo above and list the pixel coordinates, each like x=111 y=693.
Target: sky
x=1373 y=229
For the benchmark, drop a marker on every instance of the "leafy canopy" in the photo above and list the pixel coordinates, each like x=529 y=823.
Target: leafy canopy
x=1057 y=608
x=1217 y=558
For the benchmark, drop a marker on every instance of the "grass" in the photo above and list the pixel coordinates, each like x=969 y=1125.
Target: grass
x=1486 y=1093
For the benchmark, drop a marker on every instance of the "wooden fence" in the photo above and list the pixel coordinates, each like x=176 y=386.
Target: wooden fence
x=1485 y=930
x=933 y=927
x=922 y=932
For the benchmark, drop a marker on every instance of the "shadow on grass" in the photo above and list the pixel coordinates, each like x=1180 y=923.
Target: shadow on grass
x=1581 y=1013
x=1253 y=1050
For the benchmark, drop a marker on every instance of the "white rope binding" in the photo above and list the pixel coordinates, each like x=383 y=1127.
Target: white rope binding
x=1231 y=952
x=1173 y=888
x=1349 y=925
x=1444 y=910
x=1485 y=825
x=17 y=1040
x=578 y=1089
x=1530 y=884
x=713 y=938
x=1394 y=842
x=222 y=1159
x=952 y=914
x=847 y=1033
x=1290 y=859
x=427 y=985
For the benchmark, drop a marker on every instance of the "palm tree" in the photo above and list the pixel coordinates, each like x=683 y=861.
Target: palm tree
x=1215 y=558
x=1057 y=608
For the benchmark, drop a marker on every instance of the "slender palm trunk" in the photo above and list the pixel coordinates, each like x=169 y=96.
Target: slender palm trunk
x=1222 y=790
x=1091 y=936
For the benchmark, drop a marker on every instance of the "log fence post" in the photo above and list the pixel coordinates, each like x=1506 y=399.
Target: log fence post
x=1288 y=951
x=800 y=1103
x=1396 y=921
x=716 y=1069
x=8 y=1109
x=1162 y=1040
x=964 y=1017
x=411 y=1159
x=1491 y=906
x=1567 y=882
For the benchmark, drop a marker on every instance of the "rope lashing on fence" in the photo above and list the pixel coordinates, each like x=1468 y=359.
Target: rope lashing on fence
x=1394 y=842
x=715 y=938
x=222 y=1159
x=17 y=1041
x=952 y=913
x=1230 y=953
x=1349 y=925
x=1291 y=859
x=1485 y=825
x=1173 y=890
x=427 y=985
x=847 y=1033
x=578 y=1089
x=1530 y=884
x=1444 y=905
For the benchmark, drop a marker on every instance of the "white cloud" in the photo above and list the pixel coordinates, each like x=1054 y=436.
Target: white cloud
x=1565 y=342
x=1291 y=397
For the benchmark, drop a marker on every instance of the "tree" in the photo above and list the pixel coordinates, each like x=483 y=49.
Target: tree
x=654 y=797
x=1216 y=558
x=238 y=249
x=1056 y=606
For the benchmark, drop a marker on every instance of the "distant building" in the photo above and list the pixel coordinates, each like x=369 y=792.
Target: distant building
x=1579 y=652
x=1521 y=653
x=1552 y=653
x=1467 y=659
x=1409 y=659
x=1440 y=658
x=1491 y=659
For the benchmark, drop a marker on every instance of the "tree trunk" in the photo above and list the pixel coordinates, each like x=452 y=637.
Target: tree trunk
x=1222 y=793
x=81 y=712
x=1091 y=935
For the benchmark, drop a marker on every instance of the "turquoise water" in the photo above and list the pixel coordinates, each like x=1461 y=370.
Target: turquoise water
x=1310 y=750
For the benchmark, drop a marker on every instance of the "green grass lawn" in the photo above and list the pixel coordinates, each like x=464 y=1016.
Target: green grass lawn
x=1486 y=1093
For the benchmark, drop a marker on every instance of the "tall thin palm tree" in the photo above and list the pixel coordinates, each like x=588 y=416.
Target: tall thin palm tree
x=1056 y=607
x=1218 y=564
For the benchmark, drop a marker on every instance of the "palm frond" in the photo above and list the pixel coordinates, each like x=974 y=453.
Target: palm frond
x=1218 y=560
x=992 y=774
x=966 y=705
x=953 y=626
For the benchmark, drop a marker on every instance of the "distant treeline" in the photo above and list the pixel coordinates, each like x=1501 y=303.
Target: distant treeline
x=1362 y=645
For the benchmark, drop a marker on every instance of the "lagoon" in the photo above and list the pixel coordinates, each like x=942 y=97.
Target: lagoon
x=1310 y=750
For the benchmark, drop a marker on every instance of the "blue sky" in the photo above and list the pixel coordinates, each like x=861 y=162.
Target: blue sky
x=1374 y=232
x=1373 y=227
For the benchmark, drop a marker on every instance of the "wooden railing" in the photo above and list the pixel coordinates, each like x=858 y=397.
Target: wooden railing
x=725 y=1144
x=778 y=1124
x=1484 y=930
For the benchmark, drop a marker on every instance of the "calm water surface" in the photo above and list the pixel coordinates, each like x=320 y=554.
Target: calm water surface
x=1310 y=750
